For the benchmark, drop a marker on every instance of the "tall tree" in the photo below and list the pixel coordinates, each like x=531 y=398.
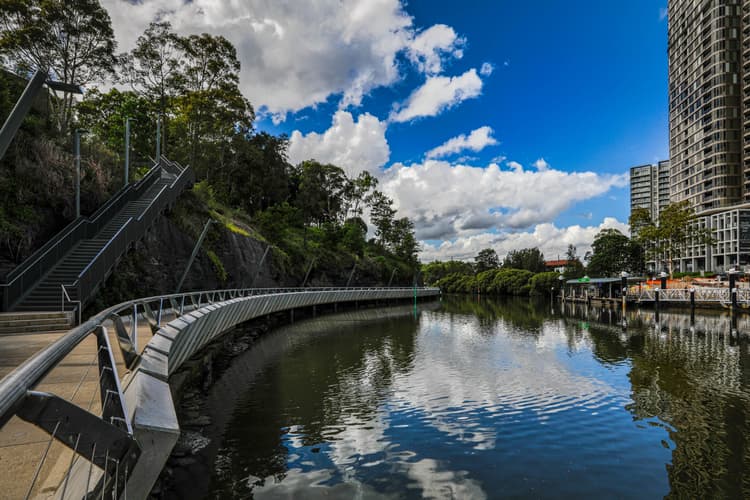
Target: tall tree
x=382 y=215
x=152 y=69
x=676 y=229
x=403 y=240
x=530 y=259
x=486 y=259
x=574 y=266
x=71 y=39
x=321 y=190
x=612 y=252
x=210 y=108
x=358 y=191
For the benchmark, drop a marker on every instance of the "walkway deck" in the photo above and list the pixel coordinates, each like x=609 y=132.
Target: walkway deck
x=76 y=379
x=137 y=418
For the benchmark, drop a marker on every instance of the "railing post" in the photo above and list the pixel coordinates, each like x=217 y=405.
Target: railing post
x=134 y=325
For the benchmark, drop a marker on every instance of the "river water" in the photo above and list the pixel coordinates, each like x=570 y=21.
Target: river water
x=486 y=399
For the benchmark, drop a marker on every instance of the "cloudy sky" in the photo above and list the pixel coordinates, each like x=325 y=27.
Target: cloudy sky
x=497 y=124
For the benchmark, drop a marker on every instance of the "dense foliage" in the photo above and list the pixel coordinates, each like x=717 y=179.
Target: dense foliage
x=530 y=259
x=612 y=252
x=667 y=239
x=311 y=212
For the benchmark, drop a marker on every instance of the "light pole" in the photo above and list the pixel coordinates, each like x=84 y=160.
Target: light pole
x=158 y=139
x=78 y=133
x=127 y=149
x=562 y=288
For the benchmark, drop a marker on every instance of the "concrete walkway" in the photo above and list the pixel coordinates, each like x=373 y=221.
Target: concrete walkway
x=22 y=445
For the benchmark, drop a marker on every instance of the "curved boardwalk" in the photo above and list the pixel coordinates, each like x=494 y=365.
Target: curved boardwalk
x=95 y=432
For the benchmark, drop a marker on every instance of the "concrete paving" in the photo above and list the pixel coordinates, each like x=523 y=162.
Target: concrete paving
x=22 y=445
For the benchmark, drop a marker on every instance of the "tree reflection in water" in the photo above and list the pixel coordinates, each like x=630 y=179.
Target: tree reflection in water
x=484 y=396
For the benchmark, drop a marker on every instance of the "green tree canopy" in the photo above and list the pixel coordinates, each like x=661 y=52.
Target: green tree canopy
x=676 y=229
x=437 y=270
x=574 y=267
x=71 y=39
x=530 y=259
x=486 y=259
x=104 y=116
x=321 y=191
x=612 y=252
x=382 y=214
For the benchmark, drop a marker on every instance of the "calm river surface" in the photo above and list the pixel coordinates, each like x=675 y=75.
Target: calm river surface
x=486 y=399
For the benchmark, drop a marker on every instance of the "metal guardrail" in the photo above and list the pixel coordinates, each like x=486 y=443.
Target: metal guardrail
x=106 y=442
x=702 y=294
x=19 y=280
x=37 y=266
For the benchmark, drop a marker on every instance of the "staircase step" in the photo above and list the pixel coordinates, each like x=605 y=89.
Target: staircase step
x=7 y=324
x=36 y=321
x=46 y=295
x=22 y=316
x=63 y=327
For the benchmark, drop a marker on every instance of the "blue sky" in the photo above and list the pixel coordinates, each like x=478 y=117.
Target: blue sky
x=377 y=84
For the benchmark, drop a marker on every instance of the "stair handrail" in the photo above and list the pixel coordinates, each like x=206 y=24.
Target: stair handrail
x=36 y=266
x=88 y=280
x=155 y=201
x=135 y=228
x=109 y=252
x=65 y=297
x=125 y=195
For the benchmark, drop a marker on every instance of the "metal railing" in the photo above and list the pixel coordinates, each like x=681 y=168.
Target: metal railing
x=18 y=281
x=65 y=299
x=37 y=266
x=702 y=294
x=105 y=449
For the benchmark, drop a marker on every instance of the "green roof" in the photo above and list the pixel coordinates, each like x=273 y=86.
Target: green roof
x=592 y=281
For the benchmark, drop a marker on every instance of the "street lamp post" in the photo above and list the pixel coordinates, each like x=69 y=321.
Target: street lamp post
x=127 y=149
x=158 y=140
x=78 y=169
x=562 y=288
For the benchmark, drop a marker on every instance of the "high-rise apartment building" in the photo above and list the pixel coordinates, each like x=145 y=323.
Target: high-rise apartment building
x=709 y=125
x=649 y=188
x=705 y=102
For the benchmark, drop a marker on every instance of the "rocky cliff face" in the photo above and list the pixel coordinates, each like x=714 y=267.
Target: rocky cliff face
x=156 y=263
x=230 y=257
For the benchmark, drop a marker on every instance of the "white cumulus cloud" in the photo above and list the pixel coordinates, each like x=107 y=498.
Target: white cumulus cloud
x=553 y=241
x=429 y=47
x=298 y=55
x=477 y=140
x=437 y=94
x=486 y=69
x=352 y=145
x=541 y=165
x=446 y=201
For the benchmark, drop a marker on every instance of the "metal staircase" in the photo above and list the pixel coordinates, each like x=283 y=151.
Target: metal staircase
x=89 y=248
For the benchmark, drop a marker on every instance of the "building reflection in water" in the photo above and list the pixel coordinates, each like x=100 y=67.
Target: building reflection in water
x=382 y=403
x=691 y=373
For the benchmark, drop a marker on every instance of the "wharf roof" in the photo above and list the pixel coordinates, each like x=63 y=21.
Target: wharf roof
x=596 y=281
